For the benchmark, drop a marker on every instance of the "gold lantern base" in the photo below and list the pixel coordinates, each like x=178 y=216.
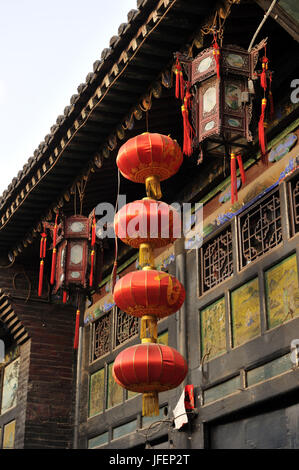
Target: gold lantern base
x=148 y=329
x=146 y=256
x=152 y=187
x=150 y=404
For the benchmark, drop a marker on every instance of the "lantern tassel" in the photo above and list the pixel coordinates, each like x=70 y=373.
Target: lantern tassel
x=153 y=187
x=263 y=75
x=54 y=252
x=54 y=256
x=233 y=176
x=76 y=339
x=150 y=404
x=41 y=276
x=179 y=81
x=149 y=325
x=93 y=232
x=55 y=232
x=91 y=268
x=64 y=297
x=261 y=132
x=43 y=245
x=263 y=79
x=241 y=167
x=187 y=145
x=42 y=255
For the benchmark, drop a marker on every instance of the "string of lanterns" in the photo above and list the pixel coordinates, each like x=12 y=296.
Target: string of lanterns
x=149 y=368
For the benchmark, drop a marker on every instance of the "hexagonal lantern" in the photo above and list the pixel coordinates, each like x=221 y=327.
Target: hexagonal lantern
x=219 y=95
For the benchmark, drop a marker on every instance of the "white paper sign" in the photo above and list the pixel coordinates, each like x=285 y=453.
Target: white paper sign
x=179 y=412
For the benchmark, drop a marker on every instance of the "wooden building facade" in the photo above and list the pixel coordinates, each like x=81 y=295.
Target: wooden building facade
x=239 y=326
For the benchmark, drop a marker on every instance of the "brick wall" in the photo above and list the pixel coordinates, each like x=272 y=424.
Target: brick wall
x=47 y=373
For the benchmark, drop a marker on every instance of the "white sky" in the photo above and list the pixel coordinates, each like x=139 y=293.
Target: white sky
x=46 y=51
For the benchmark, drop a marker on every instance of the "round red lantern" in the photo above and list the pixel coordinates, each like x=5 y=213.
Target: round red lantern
x=147 y=221
x=149 y=292
x=149 y=158
x=149 y=369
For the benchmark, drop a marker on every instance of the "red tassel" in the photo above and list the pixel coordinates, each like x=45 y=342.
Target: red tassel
x=76 y=339
x=64 y=297
x=216 y=53
x=261 y=131
x=179 y=81
x=263 y=79
x=91 y=268
x=43 y=243
x=263 y=75
x=241 y=167
x=54 y=252
x=42 y=254
x=93 y=232
x=233 y=176
x=55 y=232
x=187 y=145
x=41 y=276
x=54 y=256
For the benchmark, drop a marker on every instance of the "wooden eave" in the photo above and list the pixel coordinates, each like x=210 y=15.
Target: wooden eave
x=102 y=105
x=85 y=135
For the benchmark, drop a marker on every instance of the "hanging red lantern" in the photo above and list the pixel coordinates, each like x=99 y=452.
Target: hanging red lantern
x=149 y=158
x=149 y=369
x=147 y=222
x=149 y=292
x=74 y=254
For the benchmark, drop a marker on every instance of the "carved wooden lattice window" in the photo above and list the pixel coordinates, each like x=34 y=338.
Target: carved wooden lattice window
x=260 y=229
x=294 y=205
x=126 y=327
x=217 y=260
x=102 y=336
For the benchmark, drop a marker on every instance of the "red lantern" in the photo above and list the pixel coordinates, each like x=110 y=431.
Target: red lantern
x=149 y=369
x=147 y=221
x=149 y=158
x=221 y=109
x=147 y=224
x=74 y=254
x=149 y=292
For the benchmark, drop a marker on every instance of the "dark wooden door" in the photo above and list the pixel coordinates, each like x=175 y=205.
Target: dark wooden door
x=275 y=429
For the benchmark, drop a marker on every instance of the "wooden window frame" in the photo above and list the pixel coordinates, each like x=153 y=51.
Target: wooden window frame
x=256 y=268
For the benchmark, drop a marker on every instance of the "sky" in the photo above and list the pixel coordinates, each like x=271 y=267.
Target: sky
x=47 y=48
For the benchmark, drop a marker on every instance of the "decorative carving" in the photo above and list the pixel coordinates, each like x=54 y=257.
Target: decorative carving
x=126 y=327
x=101 y=336
x=260 y=229
x=217 y=260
